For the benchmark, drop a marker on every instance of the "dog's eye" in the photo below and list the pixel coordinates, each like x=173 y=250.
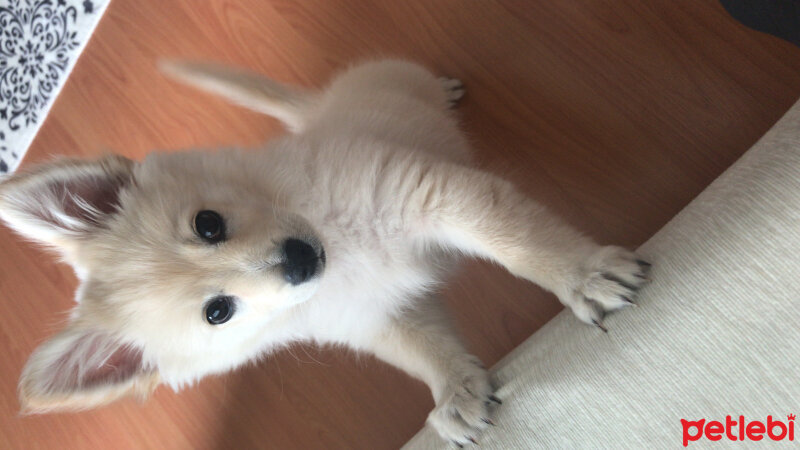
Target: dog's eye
x=219 y=310
x=209 y=226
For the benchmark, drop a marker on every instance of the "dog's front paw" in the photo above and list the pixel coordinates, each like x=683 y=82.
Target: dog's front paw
x=462 y=409
x=608 y=280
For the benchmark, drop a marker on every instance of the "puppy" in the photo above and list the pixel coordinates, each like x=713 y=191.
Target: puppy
x=194 y=263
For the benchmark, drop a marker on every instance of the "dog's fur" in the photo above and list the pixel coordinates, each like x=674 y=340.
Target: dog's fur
x=376 y=172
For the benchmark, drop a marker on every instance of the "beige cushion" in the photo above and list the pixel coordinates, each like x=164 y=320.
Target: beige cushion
x=717 y=332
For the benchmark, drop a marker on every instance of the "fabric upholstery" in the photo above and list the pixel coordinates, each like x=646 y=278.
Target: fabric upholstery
x=716 y=333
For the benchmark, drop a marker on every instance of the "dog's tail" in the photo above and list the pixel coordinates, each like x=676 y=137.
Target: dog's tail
x=290 y=106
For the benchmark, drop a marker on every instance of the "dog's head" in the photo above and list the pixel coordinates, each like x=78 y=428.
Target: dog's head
x=183 y=260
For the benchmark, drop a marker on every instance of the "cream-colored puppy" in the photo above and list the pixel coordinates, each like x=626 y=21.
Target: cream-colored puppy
x=194 y=263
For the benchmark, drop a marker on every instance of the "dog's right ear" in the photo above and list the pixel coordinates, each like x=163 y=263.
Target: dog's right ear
x=62 y=202
x=83 y=367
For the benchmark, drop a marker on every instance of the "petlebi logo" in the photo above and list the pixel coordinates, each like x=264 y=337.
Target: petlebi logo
x=738 y=429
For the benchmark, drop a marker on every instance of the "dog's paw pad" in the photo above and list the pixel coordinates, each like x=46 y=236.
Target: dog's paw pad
x=453 y=90
x=463 y=410
x=609 y=280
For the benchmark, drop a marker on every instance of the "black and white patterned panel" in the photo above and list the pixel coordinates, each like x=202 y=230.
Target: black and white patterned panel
x=40 y=40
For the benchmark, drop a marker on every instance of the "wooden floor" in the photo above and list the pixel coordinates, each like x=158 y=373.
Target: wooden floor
x=615 y=114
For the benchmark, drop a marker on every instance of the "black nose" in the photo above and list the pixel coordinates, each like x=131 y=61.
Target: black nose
x=301 y=261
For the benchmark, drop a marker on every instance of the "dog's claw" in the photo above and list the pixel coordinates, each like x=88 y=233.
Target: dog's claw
x=458 y=445
x=617 y=280
x=599 y=325
x=495 y=399
x=472 y=439
x=487 y=421
x=644 y=263
x=627 y=300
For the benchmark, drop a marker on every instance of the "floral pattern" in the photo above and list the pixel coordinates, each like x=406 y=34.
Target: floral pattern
x=39 y=41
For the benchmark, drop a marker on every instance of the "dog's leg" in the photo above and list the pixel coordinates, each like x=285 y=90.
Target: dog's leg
x=481 y=214
x=422 y=343
x=289 y=105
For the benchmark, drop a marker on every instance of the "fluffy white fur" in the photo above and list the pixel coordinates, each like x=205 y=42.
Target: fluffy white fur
x=376 y=172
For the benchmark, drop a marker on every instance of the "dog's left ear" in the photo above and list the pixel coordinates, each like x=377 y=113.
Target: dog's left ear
x=62 y=202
